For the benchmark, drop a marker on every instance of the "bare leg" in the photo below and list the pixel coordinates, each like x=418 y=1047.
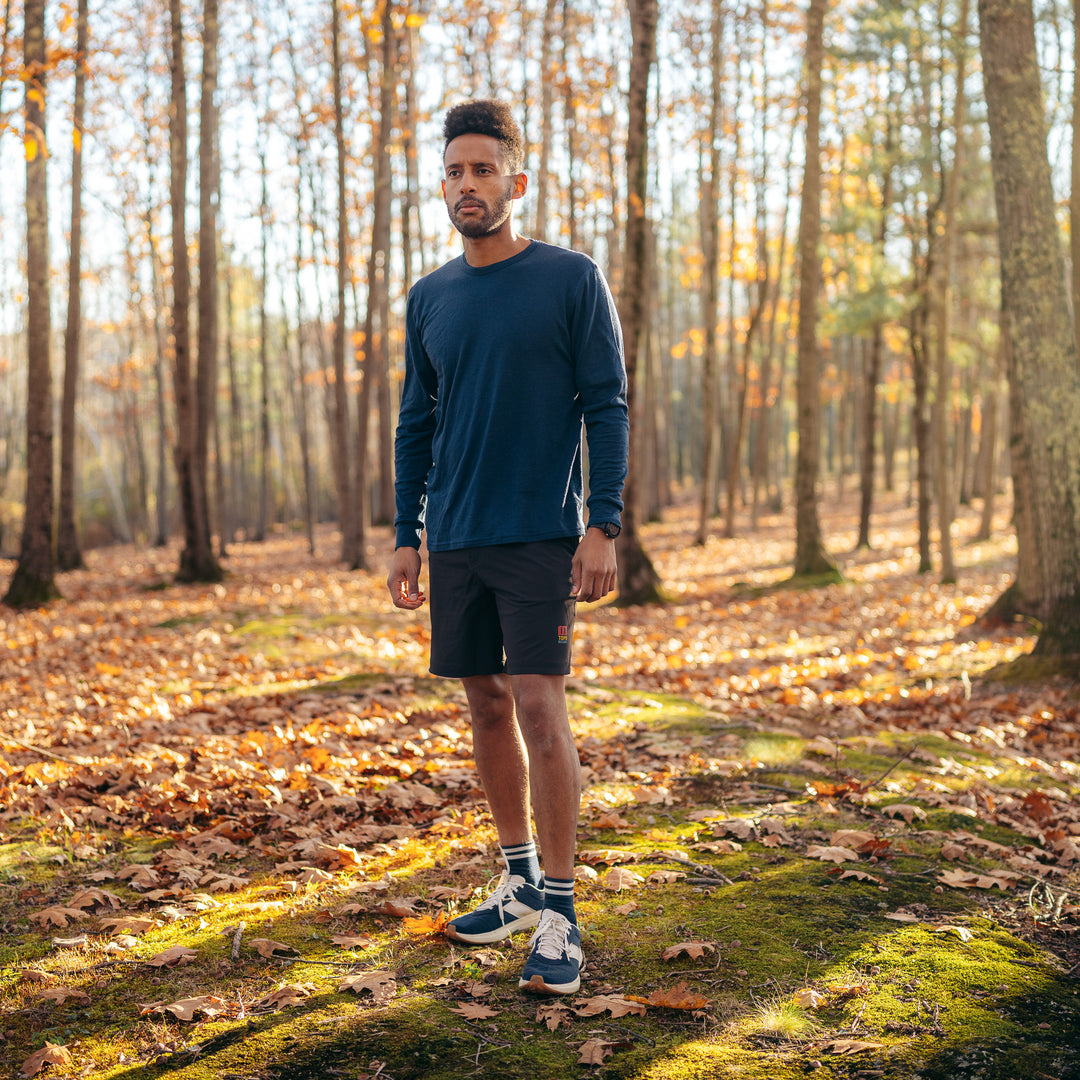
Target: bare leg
x=500 y=755
x=553 y=769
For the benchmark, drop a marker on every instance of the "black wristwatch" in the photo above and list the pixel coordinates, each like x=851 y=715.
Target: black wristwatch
x=608 y=528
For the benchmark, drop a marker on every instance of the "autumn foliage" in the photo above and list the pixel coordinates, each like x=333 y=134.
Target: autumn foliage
x=268 y=759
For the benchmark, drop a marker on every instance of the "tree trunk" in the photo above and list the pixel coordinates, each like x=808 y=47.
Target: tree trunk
x=1044 y=372
x=710 y=271
x=349 y=550
x=638 y=580
x=547 y=97
x=32 y=583
x=209 y=191
x=1074 y=192
x=811 y=557
x=68 y=554
x=872 y=361
x=943 y=466
x=410 y=211
x=263 y=511
x=988 y=439
x=381 y=240
x=301 y=360
x=197 y=559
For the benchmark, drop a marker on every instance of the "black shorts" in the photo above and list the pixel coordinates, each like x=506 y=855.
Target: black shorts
x=502 y=608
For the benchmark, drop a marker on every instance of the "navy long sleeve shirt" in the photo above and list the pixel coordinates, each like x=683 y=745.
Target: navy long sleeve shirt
x=503 y=365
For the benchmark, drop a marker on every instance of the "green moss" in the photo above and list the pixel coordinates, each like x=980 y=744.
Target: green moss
x=1034 y=668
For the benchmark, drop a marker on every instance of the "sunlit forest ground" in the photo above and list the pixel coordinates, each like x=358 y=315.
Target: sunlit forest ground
x=816 y=837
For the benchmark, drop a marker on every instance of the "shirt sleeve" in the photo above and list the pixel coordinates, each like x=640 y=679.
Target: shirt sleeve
x=600 y=372
x=415 y=434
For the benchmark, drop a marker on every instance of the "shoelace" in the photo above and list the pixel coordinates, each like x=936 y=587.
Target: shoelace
x=551 y=937
x=502 y=894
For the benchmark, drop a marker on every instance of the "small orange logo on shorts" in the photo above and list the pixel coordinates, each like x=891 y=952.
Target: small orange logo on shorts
x=564 y=635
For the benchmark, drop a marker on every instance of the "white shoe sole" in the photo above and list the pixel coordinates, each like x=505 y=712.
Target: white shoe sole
x=536 y=985
x=522 y=922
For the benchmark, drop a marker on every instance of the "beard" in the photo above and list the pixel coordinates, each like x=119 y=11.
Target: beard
x=491 y=220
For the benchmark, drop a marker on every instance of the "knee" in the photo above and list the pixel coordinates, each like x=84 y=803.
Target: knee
x=541 y=713
x=491 y=703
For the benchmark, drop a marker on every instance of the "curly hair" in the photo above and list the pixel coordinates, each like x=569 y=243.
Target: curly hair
x=487 y=117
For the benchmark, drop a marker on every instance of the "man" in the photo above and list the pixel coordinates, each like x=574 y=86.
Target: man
x=509 y=348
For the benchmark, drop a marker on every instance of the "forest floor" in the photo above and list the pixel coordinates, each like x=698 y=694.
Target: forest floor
x=817 y=838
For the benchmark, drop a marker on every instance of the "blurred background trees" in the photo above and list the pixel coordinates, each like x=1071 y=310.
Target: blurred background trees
x=315 y=205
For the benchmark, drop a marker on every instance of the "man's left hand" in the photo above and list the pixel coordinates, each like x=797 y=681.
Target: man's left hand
x=594 y=571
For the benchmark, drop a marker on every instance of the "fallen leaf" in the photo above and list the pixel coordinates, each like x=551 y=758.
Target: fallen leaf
x=952 y=851
x=273 y=949
x=832 y=854
x=851 y=838
x=186 y=1008
x=553 y=1015
x=32 y=975
x=49 y=1054
x=902 y=916
x=380 y=984
x=474 y=1010
x=808 y=998
x=694 y=949
x=664 y=877
x=963 y=879
x=962 y=932
x=680 y=996
x=60 y=994
x=285 y=996
x=859 y=875
x=352 y=941
x=128 y=924
x=57 y=915
x=399 y=908
x=718 y=847
x=739 y=827
x=849 y=1046
x=607 y=856
x=905 y=810
x=171 y=957
x=421 y=925
x=595 y=1051
x=612 y=1003
x=619 y=878
x=94 y=897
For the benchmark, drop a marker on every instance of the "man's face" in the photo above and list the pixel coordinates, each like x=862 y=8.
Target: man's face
x=476 y=186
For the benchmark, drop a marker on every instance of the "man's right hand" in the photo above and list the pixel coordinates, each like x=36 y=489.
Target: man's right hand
x=403 y=580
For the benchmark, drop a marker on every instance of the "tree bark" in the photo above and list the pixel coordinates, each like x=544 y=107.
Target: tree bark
x=68 y=553
x=710 y=287
x=638 y=580
x=209 y=190
x=342 y=471
x=197 y=559
x=944 y=461
x=811 y=557
x=547 y=97
x=1044 y=372
x=1074 y=191
x=33 y=582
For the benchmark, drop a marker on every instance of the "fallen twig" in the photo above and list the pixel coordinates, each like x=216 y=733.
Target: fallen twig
x=43 y=752
x=236 y=939
x=704 y=871
x=899 y=761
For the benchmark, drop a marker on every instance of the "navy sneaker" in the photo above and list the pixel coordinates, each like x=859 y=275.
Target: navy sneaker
x=513 y=905
x=555 y=957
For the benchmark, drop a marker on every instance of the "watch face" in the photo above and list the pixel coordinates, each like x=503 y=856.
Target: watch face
x=610 y=530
